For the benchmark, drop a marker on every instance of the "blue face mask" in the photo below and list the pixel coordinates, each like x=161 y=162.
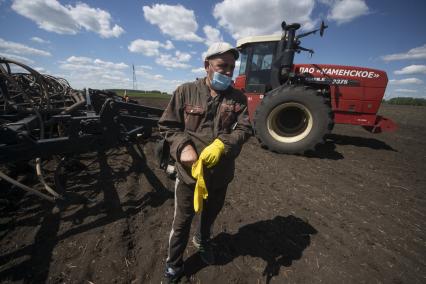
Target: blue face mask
x=220 y=82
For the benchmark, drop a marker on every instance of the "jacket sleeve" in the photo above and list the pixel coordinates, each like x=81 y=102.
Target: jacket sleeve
x=172 y=125
x=240 y=132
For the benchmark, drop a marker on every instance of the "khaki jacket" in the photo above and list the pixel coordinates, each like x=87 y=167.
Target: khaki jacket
x=193 y=116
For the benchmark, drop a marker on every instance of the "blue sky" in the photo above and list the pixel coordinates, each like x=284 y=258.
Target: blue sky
x=94 y=43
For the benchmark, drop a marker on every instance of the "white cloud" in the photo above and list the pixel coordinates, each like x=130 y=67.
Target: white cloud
x=52 y=16
x=169 y=45
x=155 y=81
x=245 y=18
x=182 y=56
x=149 y=47
x=17 y=48
x=18 y=58
x=406 y=81
x=110 y=65
x=141 y=72
x=406 y=91
x=177 y=61
x=95 y=20
x=152 y=48
x=114 y=78
x=414 y=53
x=212 y=35
x=144 y=67
x=86 y=63
x=412 y=69
x=79 y=60
x=84 y=72
x=39 y=40
x=175 y=21
x=343 y=11
x=40 y=70
x=146 y=47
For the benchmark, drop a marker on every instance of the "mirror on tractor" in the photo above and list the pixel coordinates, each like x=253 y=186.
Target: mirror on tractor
x=322 y=28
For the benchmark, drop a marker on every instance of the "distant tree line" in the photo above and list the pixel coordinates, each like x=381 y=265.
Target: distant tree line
x=148 y=92
x=406 y=101
x=130 y=92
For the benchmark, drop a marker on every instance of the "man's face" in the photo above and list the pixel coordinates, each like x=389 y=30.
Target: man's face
x=224 y=64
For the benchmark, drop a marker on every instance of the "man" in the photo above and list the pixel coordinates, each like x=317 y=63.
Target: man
x=206 y=124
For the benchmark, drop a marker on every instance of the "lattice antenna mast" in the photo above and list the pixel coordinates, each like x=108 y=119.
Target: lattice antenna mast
x=135 y=84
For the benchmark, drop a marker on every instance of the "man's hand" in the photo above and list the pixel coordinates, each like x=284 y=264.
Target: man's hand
x=188 y=156
x=212 y=153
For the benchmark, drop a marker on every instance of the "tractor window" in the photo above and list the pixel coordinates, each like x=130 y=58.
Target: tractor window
x=259 y=70
x=266 y=62
x=261 y=62
x=243 y=60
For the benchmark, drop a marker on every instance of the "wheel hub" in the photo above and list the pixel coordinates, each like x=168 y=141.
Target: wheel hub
x=289 y=122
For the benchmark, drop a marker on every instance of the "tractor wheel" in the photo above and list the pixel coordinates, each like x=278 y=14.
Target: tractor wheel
x=292 y=120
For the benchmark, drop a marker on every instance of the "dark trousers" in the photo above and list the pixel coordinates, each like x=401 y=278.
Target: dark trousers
x=183 y=215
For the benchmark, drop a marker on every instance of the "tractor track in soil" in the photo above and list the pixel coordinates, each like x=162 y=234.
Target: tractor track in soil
x=352 y=212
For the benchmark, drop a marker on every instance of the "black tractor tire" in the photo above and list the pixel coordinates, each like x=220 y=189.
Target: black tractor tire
x=292 y=119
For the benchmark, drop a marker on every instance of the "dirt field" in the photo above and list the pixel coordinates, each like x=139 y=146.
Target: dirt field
x=353 y=212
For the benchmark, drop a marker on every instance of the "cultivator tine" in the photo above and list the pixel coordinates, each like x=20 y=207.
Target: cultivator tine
x=41 y=179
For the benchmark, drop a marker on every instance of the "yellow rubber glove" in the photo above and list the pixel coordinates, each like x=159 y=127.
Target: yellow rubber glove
x=209 y=157
x=200 y=192
x=212 y=153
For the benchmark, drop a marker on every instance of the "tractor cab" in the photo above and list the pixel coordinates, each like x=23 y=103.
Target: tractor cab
x=257 y=57
x=267 y=61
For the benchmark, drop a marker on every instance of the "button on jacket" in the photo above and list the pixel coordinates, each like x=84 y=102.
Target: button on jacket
x=194 y=116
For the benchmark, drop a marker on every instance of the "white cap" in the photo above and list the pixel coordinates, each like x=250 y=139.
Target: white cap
x=221 y=48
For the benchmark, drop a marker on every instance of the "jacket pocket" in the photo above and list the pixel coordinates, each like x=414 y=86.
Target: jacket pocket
x=193 y=116
x=228 y=116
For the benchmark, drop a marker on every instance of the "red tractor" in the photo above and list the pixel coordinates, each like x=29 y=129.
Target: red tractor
x=293 y=106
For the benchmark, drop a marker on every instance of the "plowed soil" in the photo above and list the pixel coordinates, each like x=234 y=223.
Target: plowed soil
x=351 y=212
